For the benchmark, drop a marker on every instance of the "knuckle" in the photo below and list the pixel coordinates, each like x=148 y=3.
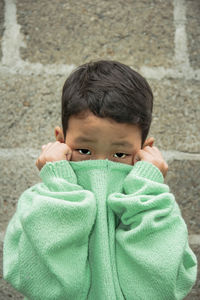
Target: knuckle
x=39 y=161
x=146 y=147
x=67 y=148
x=140 y=151
x=63 y=145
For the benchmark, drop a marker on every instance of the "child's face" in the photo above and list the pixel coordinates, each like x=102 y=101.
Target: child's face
x=95 y=138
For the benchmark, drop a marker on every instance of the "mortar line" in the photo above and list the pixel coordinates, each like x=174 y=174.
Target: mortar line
x=180 y=38
x=12 y=39
x=169 y=155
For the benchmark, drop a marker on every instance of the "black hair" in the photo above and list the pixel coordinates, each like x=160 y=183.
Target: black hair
x=108 y=89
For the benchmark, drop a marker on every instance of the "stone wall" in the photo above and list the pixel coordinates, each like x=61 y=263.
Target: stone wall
x=41 y=42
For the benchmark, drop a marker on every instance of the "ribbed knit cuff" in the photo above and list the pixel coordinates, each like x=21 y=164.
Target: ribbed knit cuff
x=59 y=169
x=147 y=170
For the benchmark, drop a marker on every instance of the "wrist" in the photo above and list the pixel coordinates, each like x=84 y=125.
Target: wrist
x=58 y=169
x=148 y=170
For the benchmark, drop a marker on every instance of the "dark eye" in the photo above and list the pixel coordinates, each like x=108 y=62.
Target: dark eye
x=83 y=150
x=120 y=155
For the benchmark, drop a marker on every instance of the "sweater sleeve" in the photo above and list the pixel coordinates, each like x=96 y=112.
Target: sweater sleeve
x=46 y=242
x=153 y=257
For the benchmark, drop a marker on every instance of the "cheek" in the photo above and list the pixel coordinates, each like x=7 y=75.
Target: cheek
x=129 y=161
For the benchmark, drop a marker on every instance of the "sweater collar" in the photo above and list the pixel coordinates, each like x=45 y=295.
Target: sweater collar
x=101 y=175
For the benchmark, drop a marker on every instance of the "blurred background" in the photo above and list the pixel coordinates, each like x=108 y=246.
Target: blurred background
x=41 y=42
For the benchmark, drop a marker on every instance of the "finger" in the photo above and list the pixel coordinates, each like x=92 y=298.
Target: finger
x=68 y=156
x=38 y=164
x=46 y=148
x=48 y=145
x=135 y=160
x=137 y=157
x=142 y=155
x=153 y=150
x=64 y=148
x=68 y=153
x=157 y=150
x=148 y=149
x=55 y=144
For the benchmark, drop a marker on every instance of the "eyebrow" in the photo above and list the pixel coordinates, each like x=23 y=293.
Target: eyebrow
x=87 y=140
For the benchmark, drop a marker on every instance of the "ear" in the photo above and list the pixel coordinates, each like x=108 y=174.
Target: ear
x=149 y=142
x=59 y=134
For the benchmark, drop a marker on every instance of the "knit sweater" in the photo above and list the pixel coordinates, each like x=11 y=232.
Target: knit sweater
x=99 y=230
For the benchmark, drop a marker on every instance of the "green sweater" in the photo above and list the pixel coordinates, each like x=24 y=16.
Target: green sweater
x=99 y=230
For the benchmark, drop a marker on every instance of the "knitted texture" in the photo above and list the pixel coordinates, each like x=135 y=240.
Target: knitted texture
x=99 y=230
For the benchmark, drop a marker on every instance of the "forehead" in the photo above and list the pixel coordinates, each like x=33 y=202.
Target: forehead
x=93 y=127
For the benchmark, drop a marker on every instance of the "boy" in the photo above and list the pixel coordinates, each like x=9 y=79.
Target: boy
x=102 y=224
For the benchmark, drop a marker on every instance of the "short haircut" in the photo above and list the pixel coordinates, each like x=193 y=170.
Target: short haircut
x=109 y=89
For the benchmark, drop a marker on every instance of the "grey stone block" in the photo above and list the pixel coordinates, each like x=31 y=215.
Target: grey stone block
x=1 y=24
x=183 y=180
x=193 y=32
x=176 y=115
x=74 y=32
x=30 y=108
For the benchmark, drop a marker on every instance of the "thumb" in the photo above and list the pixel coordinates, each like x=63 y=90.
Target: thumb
x=69 y=154
x=136 y=158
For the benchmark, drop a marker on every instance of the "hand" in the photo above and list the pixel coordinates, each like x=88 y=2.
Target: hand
x=53 y=152
x=154 y=156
